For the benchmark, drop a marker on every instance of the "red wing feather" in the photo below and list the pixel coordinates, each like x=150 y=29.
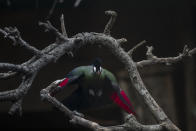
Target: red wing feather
x=64 y=82
x=128 y=108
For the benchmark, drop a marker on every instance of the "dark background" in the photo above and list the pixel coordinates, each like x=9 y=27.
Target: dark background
x=167 y=25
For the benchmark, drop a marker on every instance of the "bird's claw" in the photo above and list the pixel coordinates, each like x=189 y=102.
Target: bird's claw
x=130 y=116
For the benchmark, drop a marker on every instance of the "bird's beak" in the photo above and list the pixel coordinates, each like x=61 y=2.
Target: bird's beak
x=99 y=72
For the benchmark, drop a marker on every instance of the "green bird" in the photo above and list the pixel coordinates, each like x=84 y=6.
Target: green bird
x=96 y=87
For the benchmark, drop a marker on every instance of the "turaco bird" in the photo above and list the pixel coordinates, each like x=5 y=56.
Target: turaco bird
x=96 y=86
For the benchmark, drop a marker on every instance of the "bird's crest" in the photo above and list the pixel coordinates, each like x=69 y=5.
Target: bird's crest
x=97 y=62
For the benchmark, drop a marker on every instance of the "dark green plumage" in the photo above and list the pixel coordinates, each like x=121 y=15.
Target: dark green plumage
x=93 y=89
x=96 y=87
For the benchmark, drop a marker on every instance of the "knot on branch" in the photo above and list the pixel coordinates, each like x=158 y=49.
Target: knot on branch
x=130 y=117
x=149 y=53
x=122 y=41
x=78 y=114
x=111 y=13
x=70 y=53
x=44 y=93
x=13 y=34
x=186 y=51
x=12 y=31
x=169 y=126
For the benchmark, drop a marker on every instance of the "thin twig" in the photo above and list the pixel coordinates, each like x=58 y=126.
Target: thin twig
x=130 y=52
x=122 y=41
x=77 y=3
x=52 y=9
x=64 y=32
x=7 y=75
x=111 y=21
x=49 y=27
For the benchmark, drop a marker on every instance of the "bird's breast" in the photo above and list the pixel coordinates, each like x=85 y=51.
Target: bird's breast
x=96 y=90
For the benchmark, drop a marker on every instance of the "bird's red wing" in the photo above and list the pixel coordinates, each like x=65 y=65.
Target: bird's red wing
x=122 y=100
x=64 y=82
x=70 y=79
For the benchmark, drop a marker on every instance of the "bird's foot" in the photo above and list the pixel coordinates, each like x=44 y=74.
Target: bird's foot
x=130 y=117
x=78 y=114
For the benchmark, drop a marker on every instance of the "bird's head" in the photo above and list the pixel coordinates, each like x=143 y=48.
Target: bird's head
x=97 y=69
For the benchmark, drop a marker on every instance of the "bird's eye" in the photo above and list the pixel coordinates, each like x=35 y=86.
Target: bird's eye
x=100 y=69
x=94 y=69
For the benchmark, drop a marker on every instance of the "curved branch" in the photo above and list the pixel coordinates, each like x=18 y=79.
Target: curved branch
x=130 y=52
x=130 y=65
x=112 y=44
x=130 y=123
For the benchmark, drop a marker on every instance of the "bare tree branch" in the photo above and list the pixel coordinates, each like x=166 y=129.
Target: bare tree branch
x=52 y=9
x=7 y=75
x=49 y=27
x=12 y=67
x=17 y=95
x=77 y=3
x=14 y=35
x=16 y=108
x=11 y=74
x=111 y=22
x=29 y=68
x=63 y=26
x=122 y=41
x=130 y=123
x=113 y=45
x=152 y=59
x=64 y=32
x=193 y=51
x=64 y=45
x=130 y=52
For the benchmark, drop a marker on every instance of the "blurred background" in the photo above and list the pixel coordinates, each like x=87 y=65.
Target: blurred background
x=167 y=25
